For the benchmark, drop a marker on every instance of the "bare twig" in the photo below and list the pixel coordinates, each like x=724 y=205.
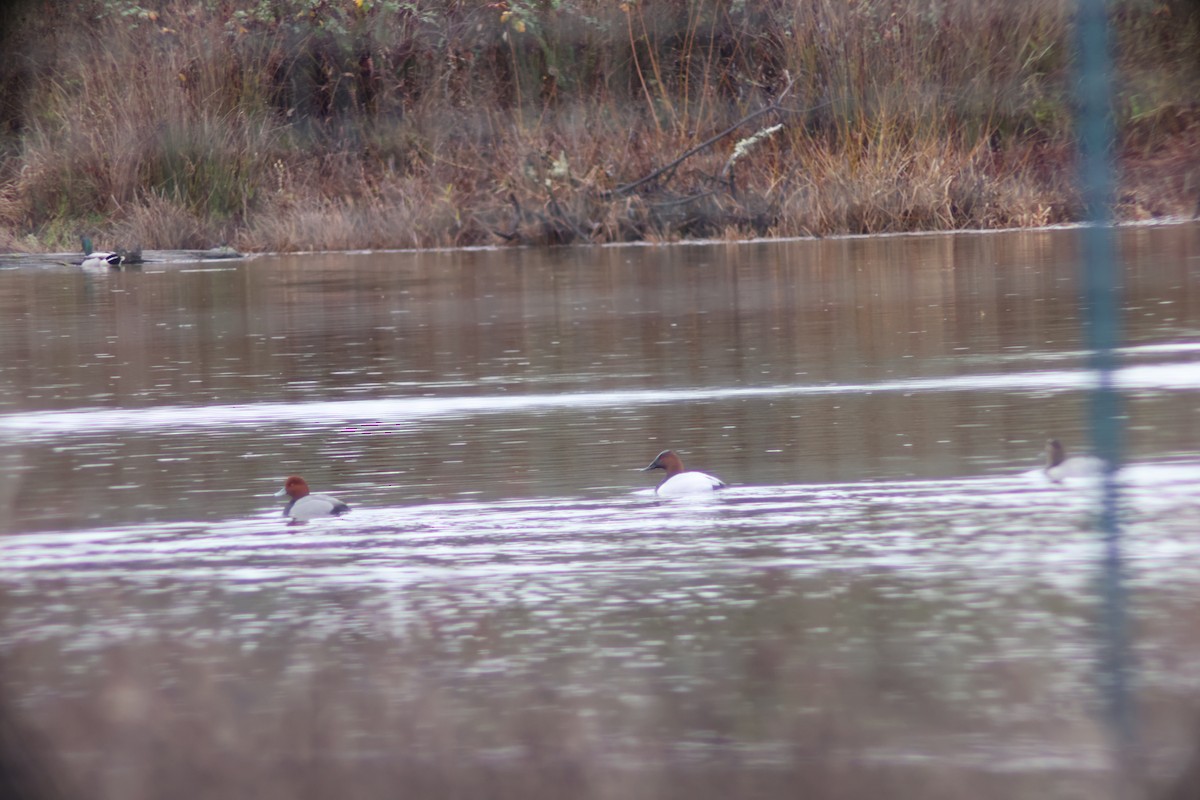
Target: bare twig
x=772 y=106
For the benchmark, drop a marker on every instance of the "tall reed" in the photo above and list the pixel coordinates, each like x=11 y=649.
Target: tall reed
x=348 y=124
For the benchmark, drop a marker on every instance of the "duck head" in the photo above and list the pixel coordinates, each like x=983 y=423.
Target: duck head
x=1055 y=453
x=294 y=487
x=666 y=460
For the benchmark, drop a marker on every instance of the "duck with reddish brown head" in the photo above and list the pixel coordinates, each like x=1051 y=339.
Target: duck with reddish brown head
x=679 y=482
x=304 y=505
x=1059 y=467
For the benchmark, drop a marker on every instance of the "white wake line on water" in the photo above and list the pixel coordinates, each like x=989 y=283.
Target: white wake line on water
x=1145 y=377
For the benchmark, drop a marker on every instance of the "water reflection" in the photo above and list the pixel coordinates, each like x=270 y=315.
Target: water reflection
x=883 y=581
x=933 y=606
x=500 y=373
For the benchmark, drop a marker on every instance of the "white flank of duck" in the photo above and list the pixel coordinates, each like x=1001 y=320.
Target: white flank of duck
x=679 y=482
x=1059 y=467
x=304 y=505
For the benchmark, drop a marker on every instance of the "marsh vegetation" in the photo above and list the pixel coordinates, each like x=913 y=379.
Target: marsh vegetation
x=310 y=124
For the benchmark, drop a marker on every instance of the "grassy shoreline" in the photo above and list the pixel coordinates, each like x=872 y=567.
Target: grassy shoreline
x=338 y=124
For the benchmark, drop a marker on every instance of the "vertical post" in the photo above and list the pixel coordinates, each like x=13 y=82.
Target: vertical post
x=1101 y=291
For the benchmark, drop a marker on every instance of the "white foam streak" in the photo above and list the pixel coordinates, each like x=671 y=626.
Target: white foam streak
x=401 y=410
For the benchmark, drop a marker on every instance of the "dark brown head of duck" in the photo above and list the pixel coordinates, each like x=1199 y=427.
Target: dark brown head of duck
x=666 y=460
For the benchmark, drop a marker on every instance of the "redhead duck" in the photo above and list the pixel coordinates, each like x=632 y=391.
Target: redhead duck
x=304 y=505
x=677 y=482
x=1059 y=467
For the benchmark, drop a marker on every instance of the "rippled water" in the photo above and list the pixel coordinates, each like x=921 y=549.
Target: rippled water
x=887 y=582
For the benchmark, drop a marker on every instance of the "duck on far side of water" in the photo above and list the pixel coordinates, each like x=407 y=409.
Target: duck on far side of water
x=97 y=259
x=679 y=482
x=304 y=505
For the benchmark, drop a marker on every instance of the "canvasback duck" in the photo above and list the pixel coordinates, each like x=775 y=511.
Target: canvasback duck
x=304 y=505
x=1058 y=466
x=678 y=482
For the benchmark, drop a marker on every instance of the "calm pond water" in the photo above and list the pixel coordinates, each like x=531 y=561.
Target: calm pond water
x=887 y=599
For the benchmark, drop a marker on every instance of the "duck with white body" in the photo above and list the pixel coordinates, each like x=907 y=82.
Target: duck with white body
x=680 y=482
x=304 y=505
x=1059 y=468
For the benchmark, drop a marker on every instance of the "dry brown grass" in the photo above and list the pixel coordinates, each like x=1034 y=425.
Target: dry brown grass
x=185 y=125
x=919 y=186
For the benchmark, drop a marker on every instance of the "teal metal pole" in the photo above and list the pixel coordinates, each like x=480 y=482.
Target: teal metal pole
x=1101 y=293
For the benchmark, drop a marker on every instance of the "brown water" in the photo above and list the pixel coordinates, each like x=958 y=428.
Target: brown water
x=885 y=592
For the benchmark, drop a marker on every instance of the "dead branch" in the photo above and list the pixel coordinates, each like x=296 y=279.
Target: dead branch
x=772 y=106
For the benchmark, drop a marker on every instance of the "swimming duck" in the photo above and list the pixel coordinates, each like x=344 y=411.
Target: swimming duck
x=115 y=260
x=678 y=482
x=304 y=506
x=1059 y=467
x=96 y=260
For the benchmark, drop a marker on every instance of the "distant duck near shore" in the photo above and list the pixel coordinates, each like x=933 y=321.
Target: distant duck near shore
x=94 y=259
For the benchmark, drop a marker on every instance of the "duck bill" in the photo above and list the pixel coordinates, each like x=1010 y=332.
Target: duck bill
x=653 y=466
x=281 y=493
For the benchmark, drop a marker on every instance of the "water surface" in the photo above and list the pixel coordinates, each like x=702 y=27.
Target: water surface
x=888 y=581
